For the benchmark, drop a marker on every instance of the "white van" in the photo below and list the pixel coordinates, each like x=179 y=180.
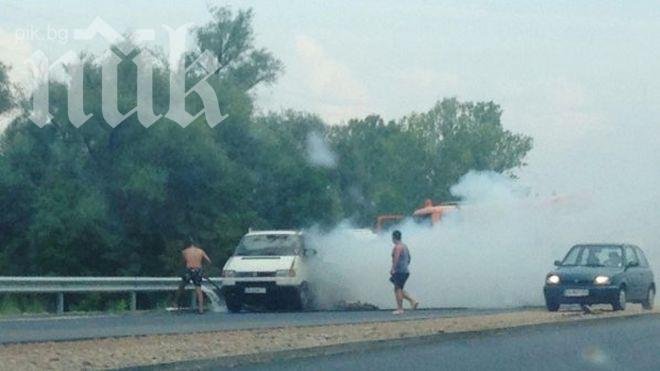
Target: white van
x=269 y=269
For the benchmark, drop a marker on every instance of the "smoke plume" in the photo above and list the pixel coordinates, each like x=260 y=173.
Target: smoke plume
x=494 y=251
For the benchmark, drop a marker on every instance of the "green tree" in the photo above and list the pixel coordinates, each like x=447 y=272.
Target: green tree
x=394 y=166
x=381 y=167
x=98 y=200
x=291 y=191
x=231 y=39
x=103 y=200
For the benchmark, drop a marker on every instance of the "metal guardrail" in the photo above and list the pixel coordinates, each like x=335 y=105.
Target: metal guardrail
x=62 y=285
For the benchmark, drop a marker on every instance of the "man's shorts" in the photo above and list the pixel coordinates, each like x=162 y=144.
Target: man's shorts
x=399 y=279
x=193 y=274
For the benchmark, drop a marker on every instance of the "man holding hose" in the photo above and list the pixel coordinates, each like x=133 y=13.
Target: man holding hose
x=193 y=257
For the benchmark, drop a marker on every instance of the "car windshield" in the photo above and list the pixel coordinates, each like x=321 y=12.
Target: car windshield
x=269 y=245
x=594 y=256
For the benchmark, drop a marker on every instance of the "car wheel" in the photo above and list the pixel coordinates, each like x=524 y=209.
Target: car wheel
x=233 y=305
x=551 y=305
x=620 y=302
x=650 y=299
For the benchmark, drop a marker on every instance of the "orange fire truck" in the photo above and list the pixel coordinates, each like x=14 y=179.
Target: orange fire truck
x=429 y=214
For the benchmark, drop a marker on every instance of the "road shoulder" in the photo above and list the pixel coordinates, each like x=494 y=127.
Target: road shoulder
x=239 y=346
x=370 y=345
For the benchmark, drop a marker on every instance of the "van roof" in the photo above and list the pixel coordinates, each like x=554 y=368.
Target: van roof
x=276 y=232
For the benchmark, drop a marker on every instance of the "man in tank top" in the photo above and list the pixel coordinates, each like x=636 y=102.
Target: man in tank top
x=400 y=273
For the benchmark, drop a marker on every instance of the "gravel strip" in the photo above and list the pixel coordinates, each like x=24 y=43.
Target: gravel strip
x=146 y=350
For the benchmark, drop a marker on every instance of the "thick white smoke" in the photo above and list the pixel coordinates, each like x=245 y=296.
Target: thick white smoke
x=494 y=252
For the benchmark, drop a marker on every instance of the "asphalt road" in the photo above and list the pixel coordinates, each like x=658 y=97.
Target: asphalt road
x=611 y=344
x=16 y=330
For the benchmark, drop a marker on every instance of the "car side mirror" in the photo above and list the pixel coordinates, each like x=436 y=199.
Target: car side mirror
x=632 y=264
x=557 y=263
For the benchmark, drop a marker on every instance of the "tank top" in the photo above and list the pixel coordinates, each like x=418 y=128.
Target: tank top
x=404 y=261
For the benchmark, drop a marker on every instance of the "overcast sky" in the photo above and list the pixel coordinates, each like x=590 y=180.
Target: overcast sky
x=563 y=72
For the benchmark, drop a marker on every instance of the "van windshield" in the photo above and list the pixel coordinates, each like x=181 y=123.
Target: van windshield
x=269 y=245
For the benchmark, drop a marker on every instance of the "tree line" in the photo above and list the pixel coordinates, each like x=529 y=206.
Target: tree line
x=98 y=200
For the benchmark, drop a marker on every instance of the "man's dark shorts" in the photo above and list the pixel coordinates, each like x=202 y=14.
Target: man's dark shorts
x=399 y=279
x=193 y=274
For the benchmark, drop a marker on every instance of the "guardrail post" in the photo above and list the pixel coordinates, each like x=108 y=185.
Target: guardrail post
x=133 y=301
x=60 y=302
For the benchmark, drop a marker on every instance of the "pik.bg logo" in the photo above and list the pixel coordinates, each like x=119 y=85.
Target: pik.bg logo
x=144 y=60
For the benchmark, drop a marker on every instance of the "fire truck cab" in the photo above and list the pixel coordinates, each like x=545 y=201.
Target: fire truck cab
x=429 y=215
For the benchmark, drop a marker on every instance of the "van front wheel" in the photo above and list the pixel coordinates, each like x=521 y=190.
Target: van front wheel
x=233 y=305
x=304 y=298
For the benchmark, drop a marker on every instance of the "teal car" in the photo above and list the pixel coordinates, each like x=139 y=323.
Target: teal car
x=613 y=274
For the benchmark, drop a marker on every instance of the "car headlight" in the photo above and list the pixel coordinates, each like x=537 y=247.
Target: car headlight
x=285 y=273
x=552 y=279
x=602 y=280
x=228 y=273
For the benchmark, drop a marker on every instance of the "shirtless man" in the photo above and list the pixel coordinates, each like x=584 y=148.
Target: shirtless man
x=193 y=257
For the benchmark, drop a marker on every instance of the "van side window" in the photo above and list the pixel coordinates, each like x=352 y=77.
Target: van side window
x=631 y=256
x=642 y=258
